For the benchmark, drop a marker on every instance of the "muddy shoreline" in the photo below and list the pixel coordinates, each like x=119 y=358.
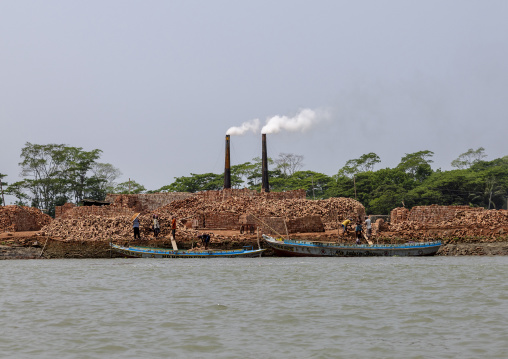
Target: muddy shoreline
x=33 y=245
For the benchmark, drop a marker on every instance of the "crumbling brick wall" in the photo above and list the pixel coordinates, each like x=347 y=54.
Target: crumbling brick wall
x=433 y=214
x=306 y=224
x=429 y=215
x=280 y=226
x=400 y=214
x=103 y=211
x=221 y=221
x=61 y=210
x=224 y=194
x=295 y=194
x=146 y=202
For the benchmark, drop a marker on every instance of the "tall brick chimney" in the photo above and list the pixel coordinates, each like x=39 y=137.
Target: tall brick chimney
x=227 y=167
x=264 y=164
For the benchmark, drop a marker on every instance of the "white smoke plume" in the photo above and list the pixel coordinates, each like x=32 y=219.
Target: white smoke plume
x=244 y=128
x=301 y=122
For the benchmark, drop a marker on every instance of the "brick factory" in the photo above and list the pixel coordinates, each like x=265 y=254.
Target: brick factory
x=236 y=217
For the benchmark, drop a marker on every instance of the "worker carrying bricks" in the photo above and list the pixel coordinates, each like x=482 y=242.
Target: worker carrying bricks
x=173 y=227
x=345 y=224
x=205 y=239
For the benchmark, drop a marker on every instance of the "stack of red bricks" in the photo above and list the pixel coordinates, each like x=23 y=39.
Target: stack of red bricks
x=21 y=218
x=398 y=215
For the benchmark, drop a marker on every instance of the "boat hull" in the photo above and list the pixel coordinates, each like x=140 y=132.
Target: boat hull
x=150 y=252
x=294 y=248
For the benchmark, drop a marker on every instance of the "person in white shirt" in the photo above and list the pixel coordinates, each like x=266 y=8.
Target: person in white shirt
x=368 y=225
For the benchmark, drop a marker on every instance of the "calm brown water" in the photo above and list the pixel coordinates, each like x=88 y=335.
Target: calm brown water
x=440 y=307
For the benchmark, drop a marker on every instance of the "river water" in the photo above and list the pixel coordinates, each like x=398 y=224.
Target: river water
x=438 y=307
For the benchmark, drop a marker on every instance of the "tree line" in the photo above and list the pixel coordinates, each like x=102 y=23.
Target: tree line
x=56 y=174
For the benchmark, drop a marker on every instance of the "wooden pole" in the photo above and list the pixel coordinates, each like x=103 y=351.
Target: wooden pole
x=40 y=255
x=266 y=224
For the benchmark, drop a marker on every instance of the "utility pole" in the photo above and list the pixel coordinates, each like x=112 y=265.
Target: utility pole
x=313 y=197
x=354 y=183
x=2 y=189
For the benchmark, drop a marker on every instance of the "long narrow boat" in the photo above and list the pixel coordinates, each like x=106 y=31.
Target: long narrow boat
x=151 y=252
x=294 y=248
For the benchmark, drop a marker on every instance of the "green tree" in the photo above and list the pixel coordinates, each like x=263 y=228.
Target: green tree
x=129 y=187
x=56 y=173
x=289 y=163
x=195 y=183
x=365 y=163
x=43 y=164
x=417 y=164
x=17 y=189
x=314 y=183
x=241 y=173
x=254 y=179
x=77 y=165
x=105 y=175
x=469 y=158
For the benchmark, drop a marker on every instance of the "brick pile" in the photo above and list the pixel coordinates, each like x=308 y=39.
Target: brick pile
x=90 y=227
x=450 y=222
x=21 y=218
x=206 y=210
x=331 y=211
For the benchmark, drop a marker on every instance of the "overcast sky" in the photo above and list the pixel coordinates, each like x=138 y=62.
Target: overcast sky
x=157 y=84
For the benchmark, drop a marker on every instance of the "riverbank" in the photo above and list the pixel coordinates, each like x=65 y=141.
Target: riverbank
x=34 y=245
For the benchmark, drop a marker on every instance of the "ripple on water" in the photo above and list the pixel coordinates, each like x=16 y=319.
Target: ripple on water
x=262 y=307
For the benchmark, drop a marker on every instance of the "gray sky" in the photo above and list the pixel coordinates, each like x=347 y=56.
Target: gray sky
x=156 y=84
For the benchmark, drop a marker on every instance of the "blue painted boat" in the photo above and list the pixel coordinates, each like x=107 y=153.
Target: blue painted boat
x=151 y=252
x=294 y=248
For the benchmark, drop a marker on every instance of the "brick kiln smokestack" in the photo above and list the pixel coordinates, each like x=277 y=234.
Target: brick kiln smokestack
x=264 y=164
x=227 y=167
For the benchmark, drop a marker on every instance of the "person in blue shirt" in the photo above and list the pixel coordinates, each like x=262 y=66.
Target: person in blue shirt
x=135 y=226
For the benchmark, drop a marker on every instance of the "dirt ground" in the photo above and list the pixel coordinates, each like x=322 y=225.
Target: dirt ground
x=34 y=245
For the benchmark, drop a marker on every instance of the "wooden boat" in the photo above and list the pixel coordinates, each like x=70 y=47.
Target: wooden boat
x=293 y=248
x=152 y=252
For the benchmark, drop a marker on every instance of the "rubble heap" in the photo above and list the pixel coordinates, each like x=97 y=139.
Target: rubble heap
x=21 y=218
